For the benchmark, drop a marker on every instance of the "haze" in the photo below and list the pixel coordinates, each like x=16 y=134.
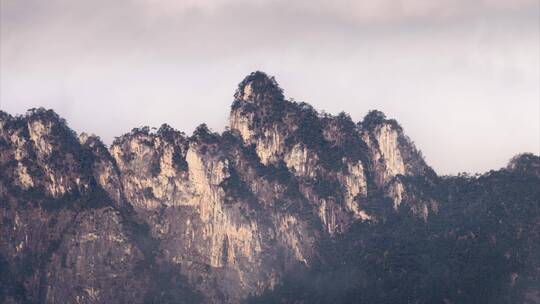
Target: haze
x=461 y=76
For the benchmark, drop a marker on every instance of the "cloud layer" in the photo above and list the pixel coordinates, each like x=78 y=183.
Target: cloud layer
x=461 y=76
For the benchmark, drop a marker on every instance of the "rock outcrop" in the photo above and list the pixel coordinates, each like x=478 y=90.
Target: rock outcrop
x=216 y=218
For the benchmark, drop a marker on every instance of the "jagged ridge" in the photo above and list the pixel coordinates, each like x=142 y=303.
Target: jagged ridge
x=229 y=214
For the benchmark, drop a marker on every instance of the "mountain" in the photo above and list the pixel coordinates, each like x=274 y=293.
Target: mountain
x=287 y=205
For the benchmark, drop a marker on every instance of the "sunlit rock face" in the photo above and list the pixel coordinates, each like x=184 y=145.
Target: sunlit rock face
x=230 y=213
x=208 y=219
x=335 y=161
x=160 y=216
x=395 y=163
x=35 y=154
x=62 y=236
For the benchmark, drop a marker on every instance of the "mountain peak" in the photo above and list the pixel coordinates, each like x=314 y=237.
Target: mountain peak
x=257 y=87
x=376 y=118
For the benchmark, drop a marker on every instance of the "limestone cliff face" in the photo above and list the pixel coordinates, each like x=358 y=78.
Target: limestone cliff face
x=37 y=159
x=61 y=236
x=335 y=161
x=210 y=217
x=395 y=161
x=186 y=189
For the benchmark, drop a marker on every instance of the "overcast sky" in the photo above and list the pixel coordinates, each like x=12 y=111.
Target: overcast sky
x=461 y=76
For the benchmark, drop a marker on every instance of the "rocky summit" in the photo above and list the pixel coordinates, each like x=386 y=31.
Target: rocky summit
x=288 y=205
